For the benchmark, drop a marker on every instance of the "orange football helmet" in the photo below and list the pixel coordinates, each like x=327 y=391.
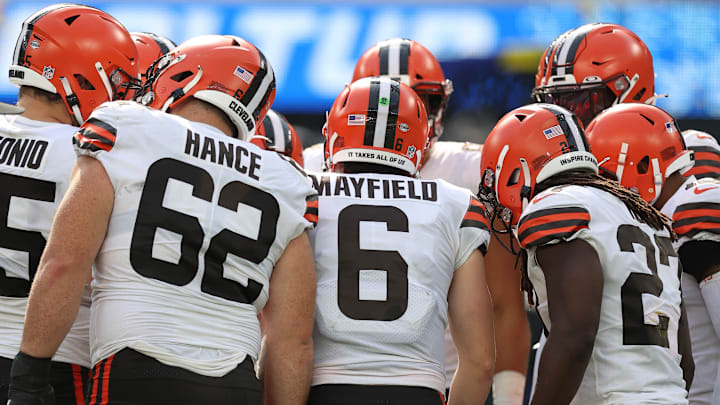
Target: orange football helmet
x=223 y=70
x=640 y=145
x=409 y=62
x=79 y=52
x=377 y=120
x=593 y=67
x=150 y=47
x=528 y=145
x=276 y=133
x=707 y=154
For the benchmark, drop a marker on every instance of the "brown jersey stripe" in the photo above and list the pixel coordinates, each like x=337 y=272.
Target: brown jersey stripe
x=93 y=145
x=542 y=237
x=552 y=211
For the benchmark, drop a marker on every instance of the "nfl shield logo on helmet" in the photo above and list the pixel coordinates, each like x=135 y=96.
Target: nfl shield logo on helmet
x=411 y=151
x=48 y=72
x=670 y=127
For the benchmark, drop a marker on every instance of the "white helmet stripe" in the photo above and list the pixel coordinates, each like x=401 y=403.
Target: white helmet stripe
x=382 y=113
x=394 y=59
x=568 y=49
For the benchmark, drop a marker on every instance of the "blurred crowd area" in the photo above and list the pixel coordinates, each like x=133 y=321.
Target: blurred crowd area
x=489 y=49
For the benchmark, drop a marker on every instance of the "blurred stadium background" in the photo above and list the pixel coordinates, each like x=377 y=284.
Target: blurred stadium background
x=488 y=48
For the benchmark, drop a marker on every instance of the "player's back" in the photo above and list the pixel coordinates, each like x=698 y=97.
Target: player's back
x=635 y=357
x=198 y=222
x=694 y=209
x=36 y=159
x=386 y=247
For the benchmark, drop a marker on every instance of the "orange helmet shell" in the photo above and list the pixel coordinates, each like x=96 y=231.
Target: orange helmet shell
x=79 y=52
x=411 y=63
x=150 y=47
x=605 y=58
x=641 y=145
x=527 y=146
x=276 y=133
x=223 y=70
x=377 y=120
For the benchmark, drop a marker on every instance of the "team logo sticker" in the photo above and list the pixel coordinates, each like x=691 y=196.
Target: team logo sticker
x=34 y=44
x=411 y=151
x=243 y=74
x=404 y=127
x=553 y=131
x=356 y=119
x=48 y=72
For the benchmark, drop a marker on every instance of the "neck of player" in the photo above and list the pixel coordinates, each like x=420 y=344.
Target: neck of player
x=200 y=111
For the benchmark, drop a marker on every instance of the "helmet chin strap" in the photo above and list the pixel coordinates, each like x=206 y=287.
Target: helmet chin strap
x=72 y=100
x=104 y=79
x=498 y=167
x=657 y=179
x=178 y=93
x=331 y=144
x=526 y=191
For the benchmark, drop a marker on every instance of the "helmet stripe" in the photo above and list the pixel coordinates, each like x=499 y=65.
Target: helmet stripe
x=27 y=29
x=383 y=111
x=260 y=88
x=165 y=44
x=393 y=57
x=383 y=56
x=404 y=56
x=570 y=127
x=269 y=130
x=568 y=50
x=371 y=119
x=392 y=117
x=280 y=132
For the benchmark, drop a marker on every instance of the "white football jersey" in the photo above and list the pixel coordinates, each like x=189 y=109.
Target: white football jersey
x=635 y=358
x=386 y=248
x=693 y=209
x=36 y=159
x=198 y=223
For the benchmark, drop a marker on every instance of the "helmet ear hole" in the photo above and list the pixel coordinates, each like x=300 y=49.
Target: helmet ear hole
x=83 y=82
x=71 y=20
x=179 y=77
x=643 y=165
x=514 y=177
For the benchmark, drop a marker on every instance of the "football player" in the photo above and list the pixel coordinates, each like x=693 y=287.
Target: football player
x=643 y=149
x=591 y=68
x=398 y=258
x=276 y=133
x=458 y=163
x=600 y=265
x=193 y=231
x=68 y=60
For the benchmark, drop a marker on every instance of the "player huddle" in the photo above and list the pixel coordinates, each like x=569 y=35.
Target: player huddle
x=161 y=242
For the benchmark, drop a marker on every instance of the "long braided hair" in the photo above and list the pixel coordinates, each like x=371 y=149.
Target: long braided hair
x=639 y=208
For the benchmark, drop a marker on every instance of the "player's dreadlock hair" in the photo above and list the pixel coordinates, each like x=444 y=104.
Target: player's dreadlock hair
x=639 y=208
